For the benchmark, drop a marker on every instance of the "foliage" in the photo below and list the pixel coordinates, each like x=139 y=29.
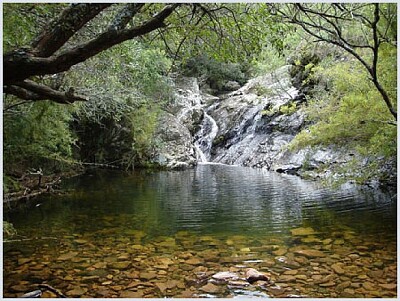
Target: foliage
x=37 y=133
x=360 y=30
x=347 y=111
x=224 y=32
x=213 y=72
x=279 y=47
x=124 y=106
x=22 y=22
x=143 y=125
x=8 y=230
x=288 y=109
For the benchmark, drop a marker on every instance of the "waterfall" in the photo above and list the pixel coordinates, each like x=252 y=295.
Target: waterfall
x=205 y=137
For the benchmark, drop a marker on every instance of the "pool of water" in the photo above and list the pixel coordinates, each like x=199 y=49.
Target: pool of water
x=166 y=234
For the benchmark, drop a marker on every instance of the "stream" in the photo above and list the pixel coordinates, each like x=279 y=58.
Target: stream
x=165 y=234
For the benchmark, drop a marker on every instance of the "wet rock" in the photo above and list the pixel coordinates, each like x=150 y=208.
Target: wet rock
x=388 y=286
x=302 y=277
x=327 y=284
x=291 y=272
x=146 y=276
x=234 y=284
x=302 y=231
x=194 y=261
x=287 y=278
x=225 y=276
x=211 y=288
x=81 y=241
x=378 y=264
x=310 y=239
x=130 y=294
x=301 y=260
x=176 y=149
x=280 y=252
x=337 y=268
x=185 y=294
x=67 y=256
x=369 y=286
x=98 y=272
x=327 y=241
x=348 y=293
x=341 y=286
x=276 y=290
x=252 y=275
x=119 y=265
x=100 y=265
x=20 y=288
x=310 y=253
x=22 y=261
x=77 y=292
x=338 y=242
x=165 y=261
x=376 y=274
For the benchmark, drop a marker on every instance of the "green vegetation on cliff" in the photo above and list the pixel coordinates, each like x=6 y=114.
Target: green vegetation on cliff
x=86 y=82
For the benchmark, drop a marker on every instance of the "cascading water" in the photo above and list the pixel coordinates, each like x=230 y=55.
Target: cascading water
x=204 y=138
x=251 y=129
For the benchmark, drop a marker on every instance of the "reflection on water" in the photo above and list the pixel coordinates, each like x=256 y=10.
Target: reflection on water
x=222 y=202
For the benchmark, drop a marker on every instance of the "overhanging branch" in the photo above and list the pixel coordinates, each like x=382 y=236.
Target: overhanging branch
x=29 y=90
x=22 y=64
x=60 y=30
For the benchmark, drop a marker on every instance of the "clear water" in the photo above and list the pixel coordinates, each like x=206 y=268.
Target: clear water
x=168 y=213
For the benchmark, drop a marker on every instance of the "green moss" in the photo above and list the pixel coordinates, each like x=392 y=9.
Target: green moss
x=8 y=230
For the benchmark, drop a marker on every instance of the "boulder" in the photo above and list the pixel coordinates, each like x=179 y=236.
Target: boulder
x=252 y=275
x=175 y=150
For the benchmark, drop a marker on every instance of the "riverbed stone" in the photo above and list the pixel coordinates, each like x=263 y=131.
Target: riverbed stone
x=252 y=275
x=338 y=268
x=280 y=252
x=194 y=261
x=388 y=286
x=211 y=288
x=22 y=261
x=310 y=253
x=368 y=286
x=343 y=285
x=119 y=265
x=131 y=294
x=225 y=276
x=328 y=284
x=146 y=276
x=302 y=231
x=77 y=292
x=67 y=256
x=287 y=278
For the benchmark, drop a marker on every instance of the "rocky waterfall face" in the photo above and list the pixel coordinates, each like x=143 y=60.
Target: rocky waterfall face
x=251 y=126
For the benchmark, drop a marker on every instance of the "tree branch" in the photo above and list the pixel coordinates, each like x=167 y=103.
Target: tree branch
x=125 y=15
x=60 y=30
x=21 y=64
x=334 y=36
x=30 y=90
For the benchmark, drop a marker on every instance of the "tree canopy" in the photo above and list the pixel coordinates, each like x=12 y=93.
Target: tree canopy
x=56 y=48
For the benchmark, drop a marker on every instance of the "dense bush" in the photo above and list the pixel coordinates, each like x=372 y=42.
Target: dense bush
x=347 y=110
x=37 y=135
x=215 y=73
